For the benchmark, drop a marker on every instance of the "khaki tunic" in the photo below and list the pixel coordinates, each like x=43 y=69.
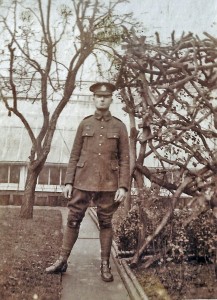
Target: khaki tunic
x=99 y=159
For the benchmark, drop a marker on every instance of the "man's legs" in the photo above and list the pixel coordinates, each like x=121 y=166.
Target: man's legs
x=105 y=210
x=77 y=207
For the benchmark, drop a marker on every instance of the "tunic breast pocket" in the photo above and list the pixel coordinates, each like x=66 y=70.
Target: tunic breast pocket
x=87 y=135
x=112 y=139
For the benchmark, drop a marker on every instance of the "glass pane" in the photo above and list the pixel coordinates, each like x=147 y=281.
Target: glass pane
x=14 y=174
x=43 y=176
x=4 y=173
x=63 y=175
x=55 y=175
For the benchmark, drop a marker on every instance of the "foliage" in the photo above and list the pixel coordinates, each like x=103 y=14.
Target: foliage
x=108 y=32
x=176 y=242
x=195 y=241
x=178 y=239
x=127 y=231
x=202 y=234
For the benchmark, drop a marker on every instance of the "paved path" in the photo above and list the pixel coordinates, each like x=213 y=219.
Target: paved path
x=82 y=280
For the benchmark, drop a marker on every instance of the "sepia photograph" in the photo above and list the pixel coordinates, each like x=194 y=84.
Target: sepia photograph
x=108 y=156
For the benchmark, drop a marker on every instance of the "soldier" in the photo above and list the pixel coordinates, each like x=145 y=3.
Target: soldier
x=98 y=169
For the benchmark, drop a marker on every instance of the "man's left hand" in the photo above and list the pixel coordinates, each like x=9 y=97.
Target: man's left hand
x=120 y=195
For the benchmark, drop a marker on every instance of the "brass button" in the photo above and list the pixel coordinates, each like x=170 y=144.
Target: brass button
x=102 y=127
x=100 y=144
x=100 y=135
x=99 y=153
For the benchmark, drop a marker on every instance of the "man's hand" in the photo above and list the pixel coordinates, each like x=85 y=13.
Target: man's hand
x=67 y=191
x=120 y=195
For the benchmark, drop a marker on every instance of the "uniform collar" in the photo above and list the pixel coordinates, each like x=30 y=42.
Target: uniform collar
x=106 y=116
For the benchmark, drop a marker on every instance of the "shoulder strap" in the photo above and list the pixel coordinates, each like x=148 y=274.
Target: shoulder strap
x=117 y=119
x=87 y=117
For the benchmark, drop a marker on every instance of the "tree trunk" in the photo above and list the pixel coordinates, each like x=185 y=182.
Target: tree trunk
x=26 y=211
x=133 y=137
x=141 y=234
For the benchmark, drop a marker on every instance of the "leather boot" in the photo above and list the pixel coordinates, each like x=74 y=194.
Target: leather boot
x=106 y=271
x=69 y=238
x=60 y=266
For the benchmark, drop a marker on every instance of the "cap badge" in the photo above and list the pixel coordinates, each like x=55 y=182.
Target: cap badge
x=103 y=88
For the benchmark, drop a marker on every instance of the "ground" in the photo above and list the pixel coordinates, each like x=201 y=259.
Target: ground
x=178 y=282
x=27 y=247
x=171 y=281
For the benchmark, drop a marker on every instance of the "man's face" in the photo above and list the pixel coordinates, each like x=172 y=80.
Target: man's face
x=102 y=102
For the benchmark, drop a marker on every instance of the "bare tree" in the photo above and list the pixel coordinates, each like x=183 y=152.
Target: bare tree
x=34 y=63
x=170 y=90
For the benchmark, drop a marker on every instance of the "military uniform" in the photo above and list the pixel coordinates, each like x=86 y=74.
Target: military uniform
x=98 y=166
x=99 y=159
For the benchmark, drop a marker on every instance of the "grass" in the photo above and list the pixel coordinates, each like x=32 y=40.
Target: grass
x=27 y=247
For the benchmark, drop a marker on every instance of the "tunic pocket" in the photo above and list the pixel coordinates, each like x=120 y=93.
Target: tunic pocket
x=112 y=141
x=114 y=165
x=87 y=132
x=113 y=135
x=87 y=135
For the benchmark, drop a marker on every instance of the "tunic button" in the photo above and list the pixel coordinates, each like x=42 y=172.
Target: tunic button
x=100 y=135
x=99 y=153
x=102 y=127
x=100 y=144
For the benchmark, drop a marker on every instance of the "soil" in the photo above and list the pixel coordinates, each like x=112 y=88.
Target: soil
x=27 y=248
x=178 y=281
x=173 y=281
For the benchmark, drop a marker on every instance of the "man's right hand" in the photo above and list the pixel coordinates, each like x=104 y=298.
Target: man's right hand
x=67 y=191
